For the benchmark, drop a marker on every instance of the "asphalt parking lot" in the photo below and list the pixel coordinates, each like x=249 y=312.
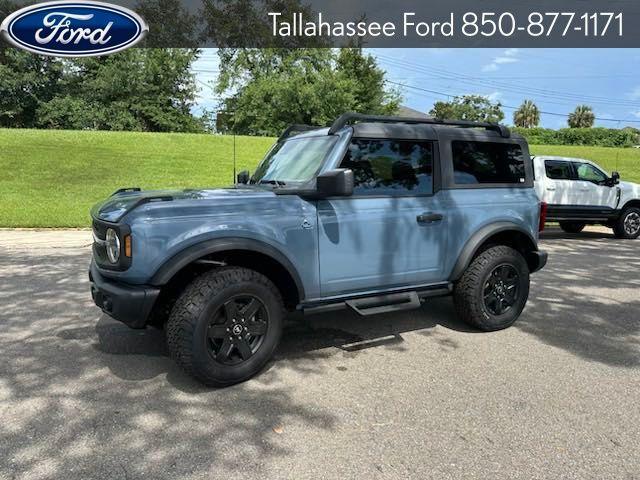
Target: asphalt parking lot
x=405 y=395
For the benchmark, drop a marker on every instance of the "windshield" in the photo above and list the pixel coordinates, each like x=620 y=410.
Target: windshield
x=294 y=161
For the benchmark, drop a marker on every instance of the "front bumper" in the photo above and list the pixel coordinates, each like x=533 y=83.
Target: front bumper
x=130 y=304
x=537 y=260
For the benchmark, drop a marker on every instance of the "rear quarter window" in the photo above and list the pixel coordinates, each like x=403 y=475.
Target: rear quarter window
x=487 y=163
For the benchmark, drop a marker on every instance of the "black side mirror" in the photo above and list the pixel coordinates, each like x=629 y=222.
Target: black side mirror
x=335 y=183
x=243 y=177
x=615 y=178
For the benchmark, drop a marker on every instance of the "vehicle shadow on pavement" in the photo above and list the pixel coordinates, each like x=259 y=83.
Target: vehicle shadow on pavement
x=305 y=339
x=74 y=379
x=587 y=299
x=82 y=396
x=350 y=332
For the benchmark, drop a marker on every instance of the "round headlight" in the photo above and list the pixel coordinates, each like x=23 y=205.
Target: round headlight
x=113 y=245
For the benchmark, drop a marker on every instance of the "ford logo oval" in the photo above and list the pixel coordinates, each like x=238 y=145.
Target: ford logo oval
x=74 y=29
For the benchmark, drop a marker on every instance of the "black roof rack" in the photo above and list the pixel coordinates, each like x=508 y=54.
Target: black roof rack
x=348 y=118
x=295 y=129
x=126 y=190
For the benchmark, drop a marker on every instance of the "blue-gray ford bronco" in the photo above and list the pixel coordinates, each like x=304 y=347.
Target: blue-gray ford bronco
x=375 y=214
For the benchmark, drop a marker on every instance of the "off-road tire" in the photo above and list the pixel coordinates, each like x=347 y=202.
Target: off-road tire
x=619 y=226
x=468 y=293
x=186 y=329
x=572 y=227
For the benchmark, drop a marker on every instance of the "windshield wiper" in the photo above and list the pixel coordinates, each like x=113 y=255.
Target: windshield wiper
x=276 y=183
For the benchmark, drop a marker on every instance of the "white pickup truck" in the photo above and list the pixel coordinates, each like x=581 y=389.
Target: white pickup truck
x=578 y=192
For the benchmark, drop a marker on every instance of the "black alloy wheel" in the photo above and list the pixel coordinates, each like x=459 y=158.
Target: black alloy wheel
x=501 y=289
x=237 y=329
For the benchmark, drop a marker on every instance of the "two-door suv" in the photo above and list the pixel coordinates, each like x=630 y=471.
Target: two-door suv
x=375 y=214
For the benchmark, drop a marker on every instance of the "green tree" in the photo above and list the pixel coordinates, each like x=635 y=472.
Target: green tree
x=527 y=115
x=231 y=23
x=273 y=88
x=475 y=108
x=6 y=7
x=26 y=82
x=369 y=92
x=137 y=89
x=582 y=117
x=171 y=24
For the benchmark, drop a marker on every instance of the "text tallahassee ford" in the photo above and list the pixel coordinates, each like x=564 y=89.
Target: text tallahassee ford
x=469 y=24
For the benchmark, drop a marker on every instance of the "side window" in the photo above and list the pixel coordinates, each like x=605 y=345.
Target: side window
x=558 y=170
x=487 y=162
x=589 y=173
x=390 y=167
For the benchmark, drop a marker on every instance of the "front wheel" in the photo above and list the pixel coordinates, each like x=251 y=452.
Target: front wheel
x=493 y=290
x=628 y=224
x=225 y=326
x=572 y=227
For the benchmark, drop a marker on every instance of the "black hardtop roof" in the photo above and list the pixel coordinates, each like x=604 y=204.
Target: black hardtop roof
x=425 y=132
x=376 y=126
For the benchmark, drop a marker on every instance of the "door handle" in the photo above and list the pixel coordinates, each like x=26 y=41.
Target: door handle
x=551 y=188
x=429 y=217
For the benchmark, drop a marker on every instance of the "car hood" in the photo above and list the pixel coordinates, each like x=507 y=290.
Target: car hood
x=118 y=205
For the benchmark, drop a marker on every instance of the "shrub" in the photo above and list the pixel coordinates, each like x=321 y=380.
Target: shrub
x=600 y=137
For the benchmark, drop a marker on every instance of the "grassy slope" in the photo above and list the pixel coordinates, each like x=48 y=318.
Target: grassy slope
x=51 y=178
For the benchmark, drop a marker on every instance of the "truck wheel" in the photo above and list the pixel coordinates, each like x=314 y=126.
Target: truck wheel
x=493 y=290
x=572 y=227
x=628 y=224
x=225 y=326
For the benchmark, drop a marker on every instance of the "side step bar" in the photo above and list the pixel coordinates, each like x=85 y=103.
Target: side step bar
x=385 y=303
x=373 y=305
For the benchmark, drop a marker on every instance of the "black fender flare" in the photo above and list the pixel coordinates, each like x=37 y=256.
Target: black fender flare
x=475 y=242
x=190 y=254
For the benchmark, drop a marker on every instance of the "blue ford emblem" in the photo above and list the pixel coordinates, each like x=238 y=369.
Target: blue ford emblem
x=74 y=29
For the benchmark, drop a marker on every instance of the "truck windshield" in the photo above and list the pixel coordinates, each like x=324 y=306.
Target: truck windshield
x=295 y=160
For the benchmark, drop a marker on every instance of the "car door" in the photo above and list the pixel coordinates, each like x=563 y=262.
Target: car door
x=392 y=231
x=592 y=187
x=559 y=185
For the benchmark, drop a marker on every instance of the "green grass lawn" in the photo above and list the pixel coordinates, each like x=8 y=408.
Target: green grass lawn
x=51 y=178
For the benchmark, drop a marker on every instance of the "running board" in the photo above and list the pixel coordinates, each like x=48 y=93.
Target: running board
x=380 y=303
x=385 y=303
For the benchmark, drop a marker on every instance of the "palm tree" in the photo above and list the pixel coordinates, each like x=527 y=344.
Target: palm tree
x=582 y=117
x=527 y=115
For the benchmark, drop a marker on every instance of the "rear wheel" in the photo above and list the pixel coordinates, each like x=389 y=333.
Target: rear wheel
x=572 y=227
x=628 y=224
x=493 y=290
x=225 y=326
